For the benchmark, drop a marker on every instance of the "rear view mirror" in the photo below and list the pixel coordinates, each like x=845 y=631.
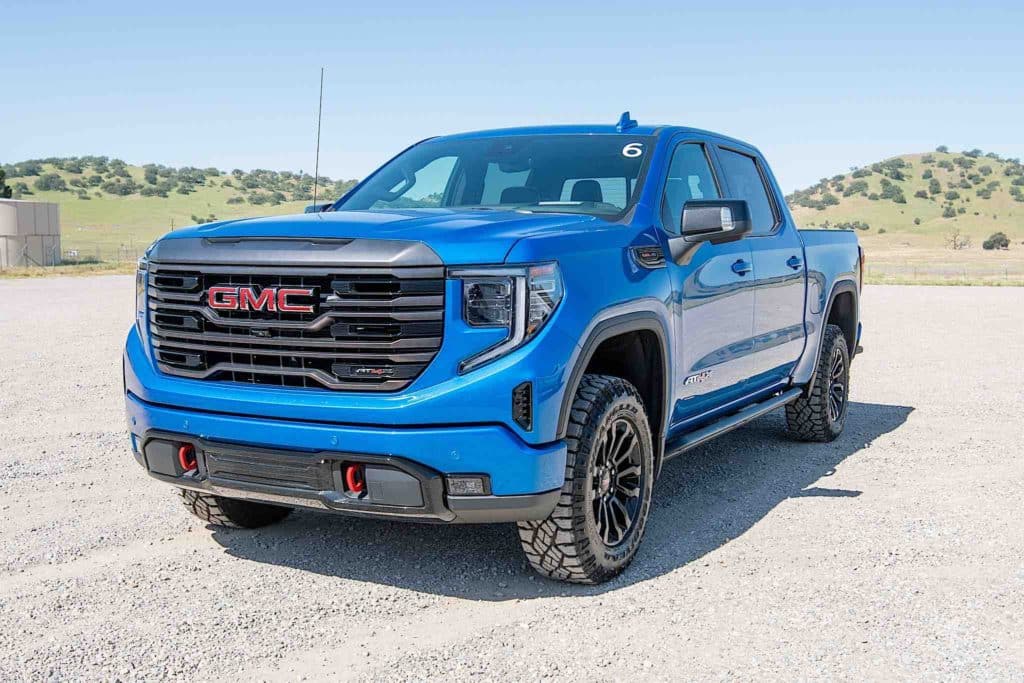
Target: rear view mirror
x=714 y=220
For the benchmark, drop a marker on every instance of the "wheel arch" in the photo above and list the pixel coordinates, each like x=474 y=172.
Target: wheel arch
x=646 y=333
x=843 y=309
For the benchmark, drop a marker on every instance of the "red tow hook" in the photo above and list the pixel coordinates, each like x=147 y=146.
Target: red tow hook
x=187 y=457
x=354 y=480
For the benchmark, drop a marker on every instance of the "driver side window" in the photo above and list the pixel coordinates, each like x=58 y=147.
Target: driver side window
x=689 y=177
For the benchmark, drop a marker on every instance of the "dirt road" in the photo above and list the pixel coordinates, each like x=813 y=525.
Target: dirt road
x=895 y=552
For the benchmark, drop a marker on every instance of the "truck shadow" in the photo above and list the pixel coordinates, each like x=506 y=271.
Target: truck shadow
x=703 y=500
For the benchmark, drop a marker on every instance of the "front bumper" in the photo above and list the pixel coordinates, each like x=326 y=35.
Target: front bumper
x=524 y=479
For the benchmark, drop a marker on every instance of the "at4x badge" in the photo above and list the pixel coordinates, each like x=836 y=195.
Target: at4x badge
x=698 y=378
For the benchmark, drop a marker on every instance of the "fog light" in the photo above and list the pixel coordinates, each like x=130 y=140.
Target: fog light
x=468 y=485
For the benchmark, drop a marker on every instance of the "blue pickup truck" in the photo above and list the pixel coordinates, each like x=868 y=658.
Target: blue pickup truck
x=516 y=325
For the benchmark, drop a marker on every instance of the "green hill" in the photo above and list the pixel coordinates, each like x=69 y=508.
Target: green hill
x=921 y=199
x=111 y=210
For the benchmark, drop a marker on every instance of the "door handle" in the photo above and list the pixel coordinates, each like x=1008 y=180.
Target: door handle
x=741 y=267
x=794 y=262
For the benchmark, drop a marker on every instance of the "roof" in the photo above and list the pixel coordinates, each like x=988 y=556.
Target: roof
x=584 y=129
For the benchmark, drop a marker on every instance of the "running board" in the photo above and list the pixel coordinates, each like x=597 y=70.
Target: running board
x=728 y=423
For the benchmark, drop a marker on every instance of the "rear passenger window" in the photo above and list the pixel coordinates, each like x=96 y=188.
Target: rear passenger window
x=689 y=177
x=745 y=182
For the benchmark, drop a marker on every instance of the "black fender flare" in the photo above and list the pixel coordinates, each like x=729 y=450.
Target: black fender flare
x=636 y=321
x=838 y=288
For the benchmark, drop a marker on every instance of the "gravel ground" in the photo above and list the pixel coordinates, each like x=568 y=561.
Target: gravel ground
x=893 y=553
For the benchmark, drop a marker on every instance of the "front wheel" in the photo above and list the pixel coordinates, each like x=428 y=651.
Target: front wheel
x=594 y=531
x=231 y=512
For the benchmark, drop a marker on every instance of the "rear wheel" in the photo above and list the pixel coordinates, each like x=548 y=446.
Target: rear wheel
x=821 y=414
x=594 y=531
x=231 y=512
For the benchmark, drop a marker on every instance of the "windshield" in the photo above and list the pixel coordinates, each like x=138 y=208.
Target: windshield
x=590 y=174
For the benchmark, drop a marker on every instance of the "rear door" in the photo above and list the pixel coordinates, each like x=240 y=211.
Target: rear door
x=713 y=296
x=779 y=272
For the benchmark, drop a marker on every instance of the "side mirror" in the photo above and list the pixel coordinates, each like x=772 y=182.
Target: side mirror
x=317 y=208
x=714 y=220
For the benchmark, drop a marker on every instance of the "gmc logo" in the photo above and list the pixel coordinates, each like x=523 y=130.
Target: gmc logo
x=252 y=299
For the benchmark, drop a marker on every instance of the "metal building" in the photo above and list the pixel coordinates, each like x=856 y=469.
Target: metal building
x=29 y=233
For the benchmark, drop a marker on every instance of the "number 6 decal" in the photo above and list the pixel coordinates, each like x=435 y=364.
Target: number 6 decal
x=633 y=150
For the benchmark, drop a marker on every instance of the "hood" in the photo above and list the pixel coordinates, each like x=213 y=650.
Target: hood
x=458 y=237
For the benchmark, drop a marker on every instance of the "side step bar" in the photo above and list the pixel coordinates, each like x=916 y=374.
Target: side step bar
x=728 y=423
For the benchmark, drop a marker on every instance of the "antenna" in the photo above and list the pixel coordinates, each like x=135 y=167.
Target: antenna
x=319 y=115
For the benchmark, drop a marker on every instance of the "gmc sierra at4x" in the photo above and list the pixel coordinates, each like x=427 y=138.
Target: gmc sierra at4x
x=516 y=325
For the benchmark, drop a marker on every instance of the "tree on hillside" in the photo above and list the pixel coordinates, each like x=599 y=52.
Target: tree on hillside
x=958 y=241
x=997 y=240
x=5 y=189
x=50 y=181
x=927 y=175
x=942 y=148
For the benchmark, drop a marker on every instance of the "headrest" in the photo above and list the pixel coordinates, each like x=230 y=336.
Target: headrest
x=587 y=191
x=519 y=195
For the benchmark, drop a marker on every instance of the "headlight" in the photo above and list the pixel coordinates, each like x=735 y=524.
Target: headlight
x=519 y=299
x=141 y=275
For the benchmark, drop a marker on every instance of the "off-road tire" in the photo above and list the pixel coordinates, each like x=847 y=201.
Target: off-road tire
x=567 y=545
x=809 y=418
x=230 y=512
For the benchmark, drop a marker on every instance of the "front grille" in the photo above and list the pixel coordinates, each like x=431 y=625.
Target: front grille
x=371 y=329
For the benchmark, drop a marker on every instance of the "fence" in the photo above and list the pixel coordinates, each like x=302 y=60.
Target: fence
x=952 y=273
x=124 y=253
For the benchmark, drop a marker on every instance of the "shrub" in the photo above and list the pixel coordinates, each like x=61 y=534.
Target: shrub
x=934 y=187
x=927 y=174
x=50 y=182
x=881 y=231
x=946 y=164
x=974 y=153
x=873 y=196
x=997 y=240
x=926 y=159
x=236 y=200
x=985 y=170
x=917 y=221
x=921 y=194
x=949 y=212
x=952 y=194
x=855 y=187
x=827 y=199
x=861 y=173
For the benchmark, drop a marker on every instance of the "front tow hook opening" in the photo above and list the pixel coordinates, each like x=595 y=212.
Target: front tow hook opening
x=355 y=479
x=187 y=458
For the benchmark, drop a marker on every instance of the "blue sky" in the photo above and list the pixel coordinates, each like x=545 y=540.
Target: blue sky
x=234 y=85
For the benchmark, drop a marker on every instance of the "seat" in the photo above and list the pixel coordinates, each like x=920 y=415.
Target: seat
x=587 y=191
x=520 y=195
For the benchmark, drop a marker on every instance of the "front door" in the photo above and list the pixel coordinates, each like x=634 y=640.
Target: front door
x=713 y=300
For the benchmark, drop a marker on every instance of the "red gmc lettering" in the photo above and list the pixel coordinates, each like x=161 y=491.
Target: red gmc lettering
x=248 y=299
x=285 y=307
x=223 y=298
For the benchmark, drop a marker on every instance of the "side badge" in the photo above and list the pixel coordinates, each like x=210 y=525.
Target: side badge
x=698 y=378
